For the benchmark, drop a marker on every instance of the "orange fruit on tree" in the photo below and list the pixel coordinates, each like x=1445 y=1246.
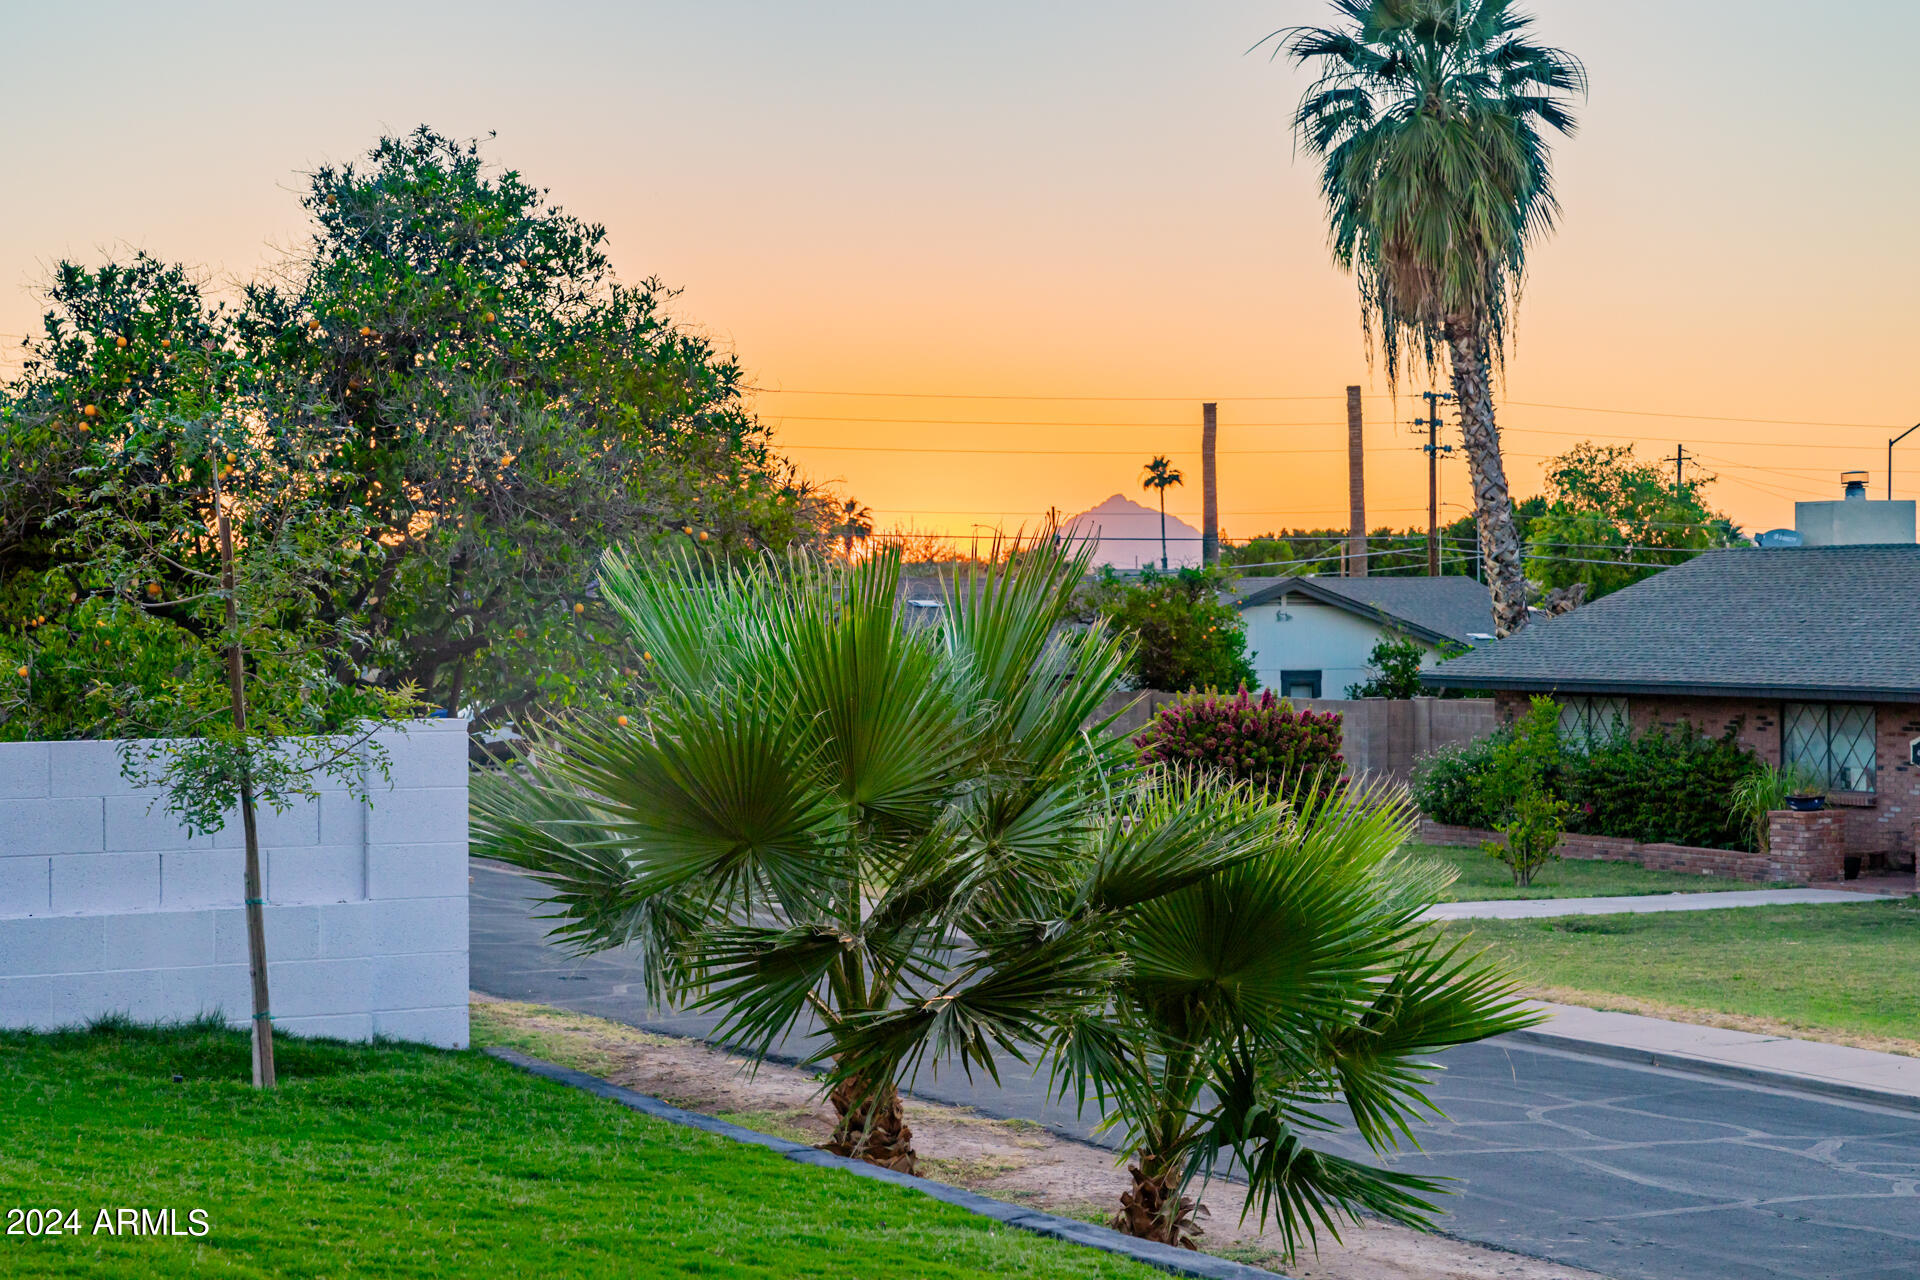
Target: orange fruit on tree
x=487 y=317
x=166 y=342
x=21 y=672
x=153 y=590
x=703 y=535
x=621 y=721
x=120 y=341
x=366 y=331
x=579 y=608
x=313 y=324
x=91 y=410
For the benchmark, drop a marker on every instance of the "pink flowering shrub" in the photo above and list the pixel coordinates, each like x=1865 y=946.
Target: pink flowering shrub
x=1243 y=738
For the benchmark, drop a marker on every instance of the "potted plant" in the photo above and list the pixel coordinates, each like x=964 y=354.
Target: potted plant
x=1767 y=789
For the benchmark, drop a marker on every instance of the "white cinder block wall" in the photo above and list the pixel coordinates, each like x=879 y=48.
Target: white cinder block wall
x=107 y=905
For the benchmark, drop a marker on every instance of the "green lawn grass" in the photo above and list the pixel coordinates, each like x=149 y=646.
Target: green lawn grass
x=1847 y=969
x=396 y=1161
x=1484 y=877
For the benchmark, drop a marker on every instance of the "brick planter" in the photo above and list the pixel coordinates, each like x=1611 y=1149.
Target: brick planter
x=1810 y=852
x=1806 y=846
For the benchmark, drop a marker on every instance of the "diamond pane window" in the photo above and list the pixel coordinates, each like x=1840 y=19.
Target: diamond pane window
x=1832 y=742
x=1589 y=722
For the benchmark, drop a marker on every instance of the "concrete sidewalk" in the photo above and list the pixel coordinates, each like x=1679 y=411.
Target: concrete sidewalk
x=1813 y=1066
x=1541 y=908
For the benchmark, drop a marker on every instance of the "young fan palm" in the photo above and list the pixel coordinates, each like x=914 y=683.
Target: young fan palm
x=1427 y=119
x=828 y=814
x=1245 y=1004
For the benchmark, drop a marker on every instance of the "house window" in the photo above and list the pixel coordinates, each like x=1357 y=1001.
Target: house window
x=1832 y=742
x=1299 y=684
x=1591 y=722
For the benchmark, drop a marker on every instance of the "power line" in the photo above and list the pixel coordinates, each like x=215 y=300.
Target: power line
x=1070 y=453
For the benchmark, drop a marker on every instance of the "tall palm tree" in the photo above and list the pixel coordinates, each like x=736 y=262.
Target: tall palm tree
x=825 y=813
x=1427 y=117
x=1160 y=474
x=854 y=525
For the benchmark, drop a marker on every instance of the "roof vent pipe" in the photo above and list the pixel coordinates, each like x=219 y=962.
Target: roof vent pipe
x=1856 y=482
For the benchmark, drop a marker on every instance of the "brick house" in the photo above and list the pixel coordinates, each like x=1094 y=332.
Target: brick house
x=1810 y=655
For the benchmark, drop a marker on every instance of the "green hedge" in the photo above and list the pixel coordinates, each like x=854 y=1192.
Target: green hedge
x=1667 y=786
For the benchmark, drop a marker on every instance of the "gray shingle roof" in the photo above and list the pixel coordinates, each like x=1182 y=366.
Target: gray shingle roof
x=1434 y=609
x=1825 y=622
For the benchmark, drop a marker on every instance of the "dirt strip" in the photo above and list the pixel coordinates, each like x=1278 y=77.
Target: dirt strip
x=1017 y=1161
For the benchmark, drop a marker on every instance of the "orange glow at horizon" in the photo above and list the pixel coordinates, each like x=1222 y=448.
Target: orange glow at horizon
x=1076 y=222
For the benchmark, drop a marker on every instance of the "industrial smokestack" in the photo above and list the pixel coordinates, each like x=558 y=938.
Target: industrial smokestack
x=1209 y=490
x=1356 y=490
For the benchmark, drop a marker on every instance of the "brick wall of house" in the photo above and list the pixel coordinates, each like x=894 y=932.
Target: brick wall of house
x=1884 y=824
x=1809 y=852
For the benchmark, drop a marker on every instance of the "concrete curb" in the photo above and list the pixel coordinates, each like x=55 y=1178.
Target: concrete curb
x=1689 y=1065
x=1180 y=1262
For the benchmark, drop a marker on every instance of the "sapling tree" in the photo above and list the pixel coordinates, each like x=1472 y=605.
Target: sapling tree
x=1516 y=789
x=207 y=528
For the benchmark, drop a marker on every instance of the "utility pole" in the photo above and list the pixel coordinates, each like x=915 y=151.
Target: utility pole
x=1356 y=489
x=1209 y=492
x=1679 y=472
x=1896 y=440
x=1434 y=449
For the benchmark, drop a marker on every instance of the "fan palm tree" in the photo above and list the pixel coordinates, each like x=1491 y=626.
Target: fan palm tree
x=1427 y=117
x=1297 y=979
x=897 y=835
x=854 y=525
x=1160 y=474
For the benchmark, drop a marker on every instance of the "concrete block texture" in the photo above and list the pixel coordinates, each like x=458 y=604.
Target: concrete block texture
x=95 y=883
x=25 y=769
x=53 y=825
x=108 y=905
x=26 y=886
x=430 y=815
x=416 y=870
x=328 y=873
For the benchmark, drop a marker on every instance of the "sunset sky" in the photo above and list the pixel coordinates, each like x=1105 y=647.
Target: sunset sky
x=1039 y=234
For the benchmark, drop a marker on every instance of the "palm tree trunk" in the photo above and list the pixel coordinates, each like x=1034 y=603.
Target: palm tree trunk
x=874 y=1130
x=1163 y=530
x=1154 y=1209
x=1492 y=502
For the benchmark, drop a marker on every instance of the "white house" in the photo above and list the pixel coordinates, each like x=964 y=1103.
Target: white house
x=1310 y=637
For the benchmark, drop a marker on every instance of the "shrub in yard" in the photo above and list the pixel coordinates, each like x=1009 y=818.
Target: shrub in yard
x=1246 y=739
x=1446 y=783
x=1518 y=788
x=1673 y=785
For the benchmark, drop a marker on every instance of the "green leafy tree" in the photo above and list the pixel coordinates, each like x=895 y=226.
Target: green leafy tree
x=1605 y=505
x=1427 y=118
x=824 y=812
x=1297 y=977
x=495 y=404
x=1517 y=790
x=1161 y=475
x=1393 y=670
x=1185 y=636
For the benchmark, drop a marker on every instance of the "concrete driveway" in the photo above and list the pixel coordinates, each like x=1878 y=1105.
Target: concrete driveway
x=1630 y=1171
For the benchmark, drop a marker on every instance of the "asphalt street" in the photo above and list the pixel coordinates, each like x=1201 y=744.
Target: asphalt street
x=1634 y=1172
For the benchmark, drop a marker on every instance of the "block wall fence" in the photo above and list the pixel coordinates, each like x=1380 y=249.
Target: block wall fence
x=108 y=905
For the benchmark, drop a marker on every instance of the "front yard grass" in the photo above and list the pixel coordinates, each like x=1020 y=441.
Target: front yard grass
x=1484 y=878
x=402 y=1161
x=1842 y=972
